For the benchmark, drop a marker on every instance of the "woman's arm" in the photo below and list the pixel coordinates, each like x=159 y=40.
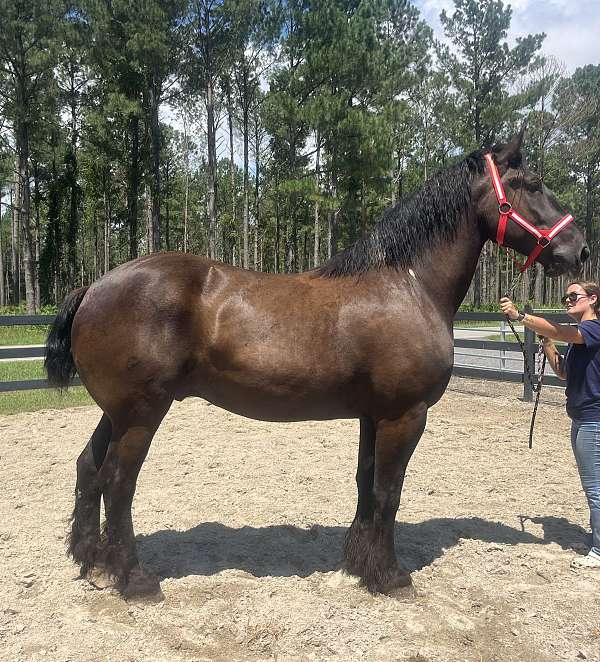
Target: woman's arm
x=541 y=326
x=555 y=359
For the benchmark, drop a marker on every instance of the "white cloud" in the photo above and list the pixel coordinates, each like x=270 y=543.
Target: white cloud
x=572 y=27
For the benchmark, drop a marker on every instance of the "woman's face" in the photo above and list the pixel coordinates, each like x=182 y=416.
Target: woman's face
x=577 y=302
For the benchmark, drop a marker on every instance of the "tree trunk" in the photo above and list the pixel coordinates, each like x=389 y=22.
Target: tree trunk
x=96 y=274
x=246 y=179
x=38 y=234
x=332 y=226
x=154 y=93
x=277 y=231
x=53 y=225
x=22 y=141
x=107 y=222
x=317 y=231
x=589 y=212
x=477 y=286
x=232 y=172
x=133 y=185
x=257 y=267
x=533 y=276
x=187 y=184
x=71 y=164
x=73 y=223
x=15 y=195
x=167 y=213
x=148 y=214
x=498 y=258
x=212 y=171
x=2 y=283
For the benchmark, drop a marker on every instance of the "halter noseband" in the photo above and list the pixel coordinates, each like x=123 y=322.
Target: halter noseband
x=543 y=236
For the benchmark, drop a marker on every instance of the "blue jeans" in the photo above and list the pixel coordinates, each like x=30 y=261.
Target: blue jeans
x=585 y=439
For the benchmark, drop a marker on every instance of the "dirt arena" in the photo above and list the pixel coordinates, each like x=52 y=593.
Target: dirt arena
x=244 y=521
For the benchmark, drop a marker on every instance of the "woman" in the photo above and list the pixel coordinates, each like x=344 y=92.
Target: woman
x=581 y=368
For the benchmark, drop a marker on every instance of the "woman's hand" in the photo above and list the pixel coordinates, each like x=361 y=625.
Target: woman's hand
x=509 y=308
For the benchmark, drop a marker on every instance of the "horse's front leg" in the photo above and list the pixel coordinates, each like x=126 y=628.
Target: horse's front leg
x=385 y=450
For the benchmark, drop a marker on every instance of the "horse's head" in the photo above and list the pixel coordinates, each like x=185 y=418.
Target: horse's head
x=519 y=211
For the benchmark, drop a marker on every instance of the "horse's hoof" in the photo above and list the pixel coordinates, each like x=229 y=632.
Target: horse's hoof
x=400 y=580
x=142 y=586
x=403 y=593
x=99 y=578
x=398 y=584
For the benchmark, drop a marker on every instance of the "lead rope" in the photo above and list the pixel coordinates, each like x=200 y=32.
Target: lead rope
x=536 y=386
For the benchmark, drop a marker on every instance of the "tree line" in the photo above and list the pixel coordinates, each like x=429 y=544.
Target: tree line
x=264 y=133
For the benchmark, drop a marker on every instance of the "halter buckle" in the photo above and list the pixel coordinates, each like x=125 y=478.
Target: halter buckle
x=504 y=207
x=543 y=242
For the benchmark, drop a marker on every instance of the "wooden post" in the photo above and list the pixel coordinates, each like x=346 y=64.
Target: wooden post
x=530 y=351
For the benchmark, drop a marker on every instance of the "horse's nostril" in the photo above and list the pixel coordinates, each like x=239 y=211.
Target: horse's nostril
x=585 y=253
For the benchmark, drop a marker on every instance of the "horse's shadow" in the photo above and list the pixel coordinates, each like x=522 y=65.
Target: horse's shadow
x=288 y=550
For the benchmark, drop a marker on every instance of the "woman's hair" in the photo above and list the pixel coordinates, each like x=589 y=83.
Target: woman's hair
x=589 y=288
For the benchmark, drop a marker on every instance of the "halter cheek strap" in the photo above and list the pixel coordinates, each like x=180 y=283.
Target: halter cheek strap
x=506 y=212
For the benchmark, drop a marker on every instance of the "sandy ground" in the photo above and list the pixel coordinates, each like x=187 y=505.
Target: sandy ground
x=245 y=520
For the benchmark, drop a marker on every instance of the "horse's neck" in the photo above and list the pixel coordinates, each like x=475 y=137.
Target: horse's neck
x=446 y=271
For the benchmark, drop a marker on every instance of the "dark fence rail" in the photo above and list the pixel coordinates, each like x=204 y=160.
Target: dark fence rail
x=529 y=339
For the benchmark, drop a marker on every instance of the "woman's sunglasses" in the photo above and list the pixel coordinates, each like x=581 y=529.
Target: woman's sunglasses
x=572 y=297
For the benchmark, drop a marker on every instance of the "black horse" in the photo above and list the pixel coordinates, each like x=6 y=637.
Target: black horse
x=367 y=336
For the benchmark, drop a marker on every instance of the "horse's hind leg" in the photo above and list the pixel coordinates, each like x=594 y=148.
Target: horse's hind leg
x=126 y=454
x=369 y=549
x=356 y=544
x=84 y=537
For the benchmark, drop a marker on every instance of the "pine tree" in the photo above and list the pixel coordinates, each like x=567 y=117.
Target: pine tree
x=481 y=67
x=210 y=38
x=28 y=55
x=255 y=26
x=578 y=100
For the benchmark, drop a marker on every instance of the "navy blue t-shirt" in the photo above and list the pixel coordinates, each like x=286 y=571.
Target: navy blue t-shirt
x=582 y=365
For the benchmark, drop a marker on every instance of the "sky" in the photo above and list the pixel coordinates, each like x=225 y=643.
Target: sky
x=572 y=27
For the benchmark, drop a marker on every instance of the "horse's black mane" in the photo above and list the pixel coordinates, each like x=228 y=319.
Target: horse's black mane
x=430 y=215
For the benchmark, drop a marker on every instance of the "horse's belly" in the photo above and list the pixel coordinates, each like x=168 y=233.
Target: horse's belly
x=304 y=384
x=268 y=401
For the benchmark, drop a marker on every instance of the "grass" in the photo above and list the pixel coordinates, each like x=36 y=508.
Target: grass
x=23 y=335
x=20 y=401
x=33 y=400
x=475 y=324
x=11 y=371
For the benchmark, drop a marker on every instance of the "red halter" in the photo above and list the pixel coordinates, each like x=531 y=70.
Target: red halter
x=544 y=237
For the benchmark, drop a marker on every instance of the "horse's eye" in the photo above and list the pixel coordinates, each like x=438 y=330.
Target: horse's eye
x=529 y=183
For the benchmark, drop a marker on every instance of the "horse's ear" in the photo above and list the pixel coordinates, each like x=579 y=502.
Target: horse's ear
x=509 y=155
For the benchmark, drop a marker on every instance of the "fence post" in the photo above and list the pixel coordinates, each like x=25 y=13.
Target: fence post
x=530 y=352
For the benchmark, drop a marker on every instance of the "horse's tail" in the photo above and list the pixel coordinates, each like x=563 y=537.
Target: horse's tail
x=58 y=360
